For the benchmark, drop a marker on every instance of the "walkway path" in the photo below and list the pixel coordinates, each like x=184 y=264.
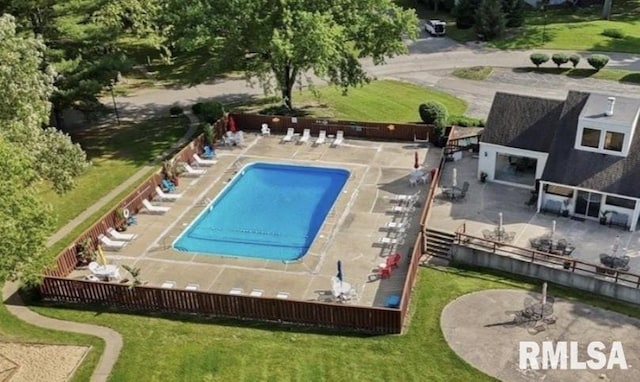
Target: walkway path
x=113 y=340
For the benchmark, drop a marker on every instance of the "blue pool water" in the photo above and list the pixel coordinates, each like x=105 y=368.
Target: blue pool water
x=268 y=211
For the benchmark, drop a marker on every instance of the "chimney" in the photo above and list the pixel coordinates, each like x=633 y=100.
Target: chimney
x=610 y=105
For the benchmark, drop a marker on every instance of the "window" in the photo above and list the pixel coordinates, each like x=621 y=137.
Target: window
x=590 y=138
x=559 y=190
x=621 y=202
x=613 y=141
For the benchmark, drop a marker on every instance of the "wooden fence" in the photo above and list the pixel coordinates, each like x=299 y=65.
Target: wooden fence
x=309 y=313
x=362 y=130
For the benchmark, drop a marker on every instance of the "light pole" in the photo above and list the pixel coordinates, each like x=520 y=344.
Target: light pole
x=113 y=97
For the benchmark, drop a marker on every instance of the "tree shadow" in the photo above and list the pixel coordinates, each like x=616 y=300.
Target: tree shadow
x=632 y=78
x=627 y=44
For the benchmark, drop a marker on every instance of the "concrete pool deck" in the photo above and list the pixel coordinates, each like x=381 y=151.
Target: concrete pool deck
x=351 y=232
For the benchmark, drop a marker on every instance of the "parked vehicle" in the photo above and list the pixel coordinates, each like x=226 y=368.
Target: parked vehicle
x=435 y=27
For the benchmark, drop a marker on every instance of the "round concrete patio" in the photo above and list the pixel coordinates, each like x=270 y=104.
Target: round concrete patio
x=476 y=326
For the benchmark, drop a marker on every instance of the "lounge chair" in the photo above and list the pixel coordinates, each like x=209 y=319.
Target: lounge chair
x=192 y=171
x=153 y=209
x=339 y=138
x=322 y=137
x=306 y=134
x=121 y=236
x=256 y=293
x=397 y=225
x=204 y=162
x=389 y=241
x=168 y=285
x=192 y=286
x=289 y=136
x=111 y=244
x=282 y=295
x=265 y=129
x=236 y=291
x=410 y=199
x=104 y=271
x=401 y=209
x=170 y=197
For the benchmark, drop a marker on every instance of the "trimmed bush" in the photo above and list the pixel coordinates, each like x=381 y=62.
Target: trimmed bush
x=211 y=111
x=464 y=121
x=613 y=33
x=433 y=111
x=598 y=61
x=175 y=111
x=196 y=108
x=560 y=58
x=539 y=58
x=575 y=59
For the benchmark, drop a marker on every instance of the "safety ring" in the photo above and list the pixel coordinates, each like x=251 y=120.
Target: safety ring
x=126 y=213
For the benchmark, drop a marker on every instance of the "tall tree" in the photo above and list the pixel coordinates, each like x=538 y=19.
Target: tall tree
x=29 y=152
x=279 y=41
x=490 y=19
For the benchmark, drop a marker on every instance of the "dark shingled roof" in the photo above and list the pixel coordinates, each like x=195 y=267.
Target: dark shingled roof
x=601 y=172
x=522 y=122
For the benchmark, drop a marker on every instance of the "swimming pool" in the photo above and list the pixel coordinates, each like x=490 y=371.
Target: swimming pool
x=268 y=211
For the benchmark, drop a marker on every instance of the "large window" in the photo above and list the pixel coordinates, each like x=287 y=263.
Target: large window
x=613 y=141
x=621 y=202
x=590 y=138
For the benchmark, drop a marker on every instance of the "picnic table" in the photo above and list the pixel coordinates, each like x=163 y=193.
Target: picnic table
x=554 y=246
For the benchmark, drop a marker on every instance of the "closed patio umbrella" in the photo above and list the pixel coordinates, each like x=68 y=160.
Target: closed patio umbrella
x=100 y=257
x=416 y=164
x=339 y=275
x=231 y=125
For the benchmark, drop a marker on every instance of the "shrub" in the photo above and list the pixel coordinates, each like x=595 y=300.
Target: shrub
x=598 y=61
x=433 y=111
x=514 y=12
x=539 y=58
x=560 y=58
x=464 y=121
x=613 y=33
x=175 y=111
x=211 y=111
x=490 y=20
x=207 y=131
x=575 y=59
x=196 y=108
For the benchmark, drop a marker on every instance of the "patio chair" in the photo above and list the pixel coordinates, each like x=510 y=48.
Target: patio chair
x=384 y=272
x=306 y=135
x=289 y=136
x=204 y=162
x=192 y=286
x=167 y=185
x=238 y=138
x=322 y=137
x=465 y=189
x=394 y=260
x=169 y=197
x=111 y=244
x=192 y=171
x=265 y=130
x=208 y=152
x=121 y=236
x=153 y=209
x=236 y=291
x=282 y=295
x=168 y=285
x=256 y=292
x=339 y=138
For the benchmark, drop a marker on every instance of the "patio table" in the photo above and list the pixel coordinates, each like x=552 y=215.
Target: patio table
x=453 y=192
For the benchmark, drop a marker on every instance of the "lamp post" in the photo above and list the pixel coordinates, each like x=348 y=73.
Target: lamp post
x=113 y=97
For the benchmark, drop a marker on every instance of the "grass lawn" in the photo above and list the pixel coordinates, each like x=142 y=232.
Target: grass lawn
x=116 y=153
x=476 y=73
x=162 y=348
x=379 y=101
x=14 y=330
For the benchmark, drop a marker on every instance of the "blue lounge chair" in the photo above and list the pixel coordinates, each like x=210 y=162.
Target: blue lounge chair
x=167 y=185
x=209 y=153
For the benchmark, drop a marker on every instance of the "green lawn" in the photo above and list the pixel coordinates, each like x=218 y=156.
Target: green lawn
x=578 y=29
x=476 y=73
x=116 y=153
x=379 y=101
x=171 y=347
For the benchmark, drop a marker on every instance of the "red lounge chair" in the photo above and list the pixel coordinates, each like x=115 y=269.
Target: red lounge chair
x=394 y=260
x=384 y=272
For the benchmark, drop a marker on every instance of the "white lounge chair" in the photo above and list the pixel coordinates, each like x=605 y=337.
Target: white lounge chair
x=322 y=137
x=289 y=136
x=236 y=291
x=401 y=198
x=192 y=286
x=192 y=171
x=282 y=295
x=390 y=241
x=164 y=196
x=397 y=225
x=256 y=293
x=154 y=209
x=401 y=209
x=121 y=236
x=168 y=285
x=265 y=129
x=339 y=138
x=306 y=134
x=111 y=244
x=204 y=162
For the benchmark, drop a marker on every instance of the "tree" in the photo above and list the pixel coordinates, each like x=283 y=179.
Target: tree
x=433 y=112
x=465 y=13
x=28 y=153
x=514 y=12
x=490 y=19
x=279 y=42
x=560 y=58
x=598 y=61
x=538 y=58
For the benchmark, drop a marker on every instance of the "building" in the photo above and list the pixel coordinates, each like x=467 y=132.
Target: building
x=580 y=156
